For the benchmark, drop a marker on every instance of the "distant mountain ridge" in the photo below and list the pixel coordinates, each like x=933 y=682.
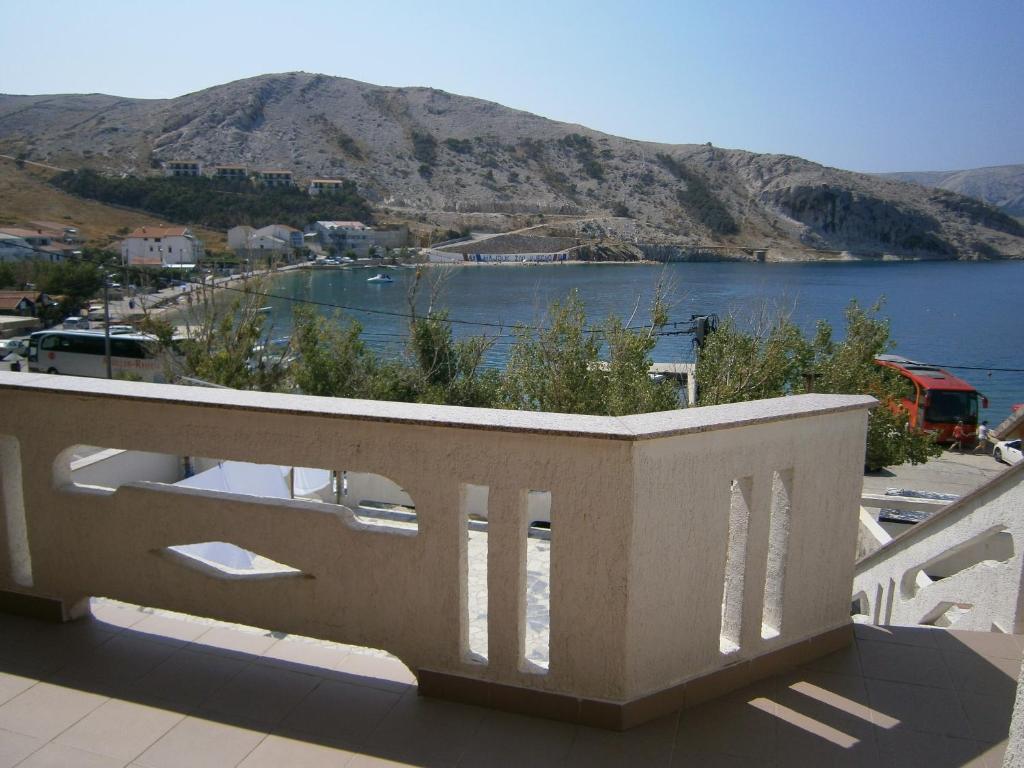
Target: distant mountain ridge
x=419 y=151
x=998 y=185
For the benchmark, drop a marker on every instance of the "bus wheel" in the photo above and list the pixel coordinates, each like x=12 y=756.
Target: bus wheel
x=51 y=370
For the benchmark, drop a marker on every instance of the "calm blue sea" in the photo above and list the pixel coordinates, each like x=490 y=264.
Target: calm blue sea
x=954 y=314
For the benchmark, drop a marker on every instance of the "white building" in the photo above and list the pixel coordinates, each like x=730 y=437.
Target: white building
x=161 y=247
x=273 y=239
x=273 y=178
x=355 y=236
x=317 y=186
x=183 y=168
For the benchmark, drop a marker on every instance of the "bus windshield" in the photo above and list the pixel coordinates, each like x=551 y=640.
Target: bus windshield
x=946 y=407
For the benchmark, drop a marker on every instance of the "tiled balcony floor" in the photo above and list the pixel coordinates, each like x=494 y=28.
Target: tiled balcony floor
x=134 y=687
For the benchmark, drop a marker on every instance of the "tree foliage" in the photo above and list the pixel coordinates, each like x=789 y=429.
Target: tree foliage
x=218 y=203
x=774 y=358
x=558 y=367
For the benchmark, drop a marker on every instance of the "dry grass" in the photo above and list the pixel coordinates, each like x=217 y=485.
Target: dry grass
x=25 y=196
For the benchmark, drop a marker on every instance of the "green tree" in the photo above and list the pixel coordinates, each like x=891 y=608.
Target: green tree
x=558 y=367
x=775 y=359
x=332 y=360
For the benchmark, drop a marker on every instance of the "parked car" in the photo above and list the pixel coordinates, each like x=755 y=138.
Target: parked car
x=1008 y=452
x=14 y=346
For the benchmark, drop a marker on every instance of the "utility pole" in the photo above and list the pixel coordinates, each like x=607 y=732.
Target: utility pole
x=106 y=323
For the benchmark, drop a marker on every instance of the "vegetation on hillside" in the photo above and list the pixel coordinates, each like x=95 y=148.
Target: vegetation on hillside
x=217 y=203
x=697 y=198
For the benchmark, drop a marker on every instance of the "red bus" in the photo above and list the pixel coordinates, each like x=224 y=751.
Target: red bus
x=935 y=398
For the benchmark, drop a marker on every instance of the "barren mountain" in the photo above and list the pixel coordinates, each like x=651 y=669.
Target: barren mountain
x=998 y=185
x=419 y=150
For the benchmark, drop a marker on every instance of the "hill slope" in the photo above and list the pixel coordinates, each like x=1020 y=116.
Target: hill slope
x=998 y=185
x=418 y=150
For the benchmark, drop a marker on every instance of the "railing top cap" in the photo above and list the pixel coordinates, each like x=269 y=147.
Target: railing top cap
x=639 y=427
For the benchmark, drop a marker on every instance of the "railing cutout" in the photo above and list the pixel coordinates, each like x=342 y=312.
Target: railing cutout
x=538 y=590
x=18 y=553
x=778 y=549
x=223 y=560
x=373 y=500
x=473 y=502
x=735 y=565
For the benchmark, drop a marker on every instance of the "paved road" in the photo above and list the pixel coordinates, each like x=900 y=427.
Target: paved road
x=950 y=473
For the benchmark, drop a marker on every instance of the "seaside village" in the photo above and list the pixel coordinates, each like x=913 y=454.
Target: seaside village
x=212 y=570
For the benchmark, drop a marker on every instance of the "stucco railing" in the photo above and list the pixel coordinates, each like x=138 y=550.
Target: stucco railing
x=963 y=566
x=691 y=551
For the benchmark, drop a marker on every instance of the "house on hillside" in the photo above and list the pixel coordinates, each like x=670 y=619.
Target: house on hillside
x=183 y=168
x=24 y=303
x=230 y=172
x=17 y=244
x=161 y=247
x=342 y=236
x=66 y=234
x=277 y=240
x=273 y=178
x=318 y=186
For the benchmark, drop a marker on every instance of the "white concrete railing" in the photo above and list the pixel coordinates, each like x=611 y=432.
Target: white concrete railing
x=684 y=544
x=963 y=566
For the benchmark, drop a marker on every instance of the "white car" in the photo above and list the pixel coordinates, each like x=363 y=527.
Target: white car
x=1008 y=451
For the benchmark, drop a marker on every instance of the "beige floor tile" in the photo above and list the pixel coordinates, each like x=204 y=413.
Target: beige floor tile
x=377 y=672
x=11 y=685
x=292 y=653
x=15 y=747
x=187 y=678
x=169 y=629
x=988 y=716
x=117 y=615
x=977 y=674
x=62 y=756
x=911 y=749
x=44 y=710
x=713 y=727
x=120 y=661
x=377 y=761
x=650 y=744
x=200 y=743
x=900 y=663
x=341 y=712
x=233 y=641
x=120 y=729
x=514 y=740
x=264 y=695
x=280 y=752
x=681 y=759
x=917 y=636
x=917 y=708
x=430 y=731
x=989 y=644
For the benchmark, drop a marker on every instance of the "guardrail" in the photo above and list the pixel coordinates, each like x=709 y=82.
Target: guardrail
x=692 y=551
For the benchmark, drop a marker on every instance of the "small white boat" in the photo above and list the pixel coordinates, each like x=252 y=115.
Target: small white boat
x=380 y=277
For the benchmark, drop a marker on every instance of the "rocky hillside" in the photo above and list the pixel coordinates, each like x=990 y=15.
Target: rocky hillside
x=419 y=151
x=999 y=185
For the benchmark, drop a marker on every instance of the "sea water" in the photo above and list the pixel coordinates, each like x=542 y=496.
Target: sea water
x=950 y=313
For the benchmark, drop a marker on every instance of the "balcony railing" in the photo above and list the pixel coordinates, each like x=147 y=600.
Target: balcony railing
x=963 y=566
x=691 y=551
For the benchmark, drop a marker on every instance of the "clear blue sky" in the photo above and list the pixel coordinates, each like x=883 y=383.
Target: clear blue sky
x=868 y=85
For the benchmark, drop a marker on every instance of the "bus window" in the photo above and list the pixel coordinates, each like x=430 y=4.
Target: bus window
x=945 y=407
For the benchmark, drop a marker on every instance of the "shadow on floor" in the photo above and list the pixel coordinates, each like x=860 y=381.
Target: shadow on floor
x=898 y=696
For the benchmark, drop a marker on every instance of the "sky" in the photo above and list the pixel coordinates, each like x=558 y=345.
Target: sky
x=867 y=86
